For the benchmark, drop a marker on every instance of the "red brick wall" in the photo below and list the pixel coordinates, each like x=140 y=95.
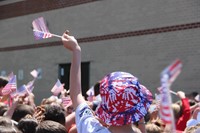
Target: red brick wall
x=35 y=6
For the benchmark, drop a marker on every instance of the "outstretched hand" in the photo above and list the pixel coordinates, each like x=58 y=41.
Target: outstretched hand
x=69 y=42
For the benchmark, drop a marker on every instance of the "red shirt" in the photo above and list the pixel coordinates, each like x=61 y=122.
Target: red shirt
x=181 y=122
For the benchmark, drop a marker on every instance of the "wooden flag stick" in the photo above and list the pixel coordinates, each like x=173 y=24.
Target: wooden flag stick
x=173 y=92
x=48 y=32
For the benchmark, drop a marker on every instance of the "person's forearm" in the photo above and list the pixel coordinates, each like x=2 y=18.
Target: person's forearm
x=10 y=111
x=75 y=78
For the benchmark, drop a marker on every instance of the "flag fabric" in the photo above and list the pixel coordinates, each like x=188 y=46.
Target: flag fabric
x=166 y=112
x=21 y=90
x=40 y=30
x=173 y=70
x=168 y=75
x=90 y=91
x=39 y=24
x=29 y=86
x=34 y=73
x=10 y=86
x=66 y=101
x=10 y=75
x=57 y=88
x=41 y=35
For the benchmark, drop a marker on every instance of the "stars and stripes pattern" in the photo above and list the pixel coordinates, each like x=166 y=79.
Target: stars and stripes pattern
x=22 y=90
x=57 y=88
x=66 y=101
x=168 y=76
x=41 y=35
x=165 y=105
x=10 y=86
x=173 y=70
x=40 y=30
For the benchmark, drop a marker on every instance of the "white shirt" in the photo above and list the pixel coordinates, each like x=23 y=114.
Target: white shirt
x=86 y=122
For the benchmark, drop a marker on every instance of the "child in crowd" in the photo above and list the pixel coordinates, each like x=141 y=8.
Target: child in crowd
x=124 y=99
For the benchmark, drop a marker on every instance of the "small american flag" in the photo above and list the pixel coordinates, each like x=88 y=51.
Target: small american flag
x=173 y=70
x=10 y=86
x=168 y=76
x=57 y=88
x=30 y=86
x=34 y=73
x=41 y=35
x=22 y=90
x=40 y=30
x=66 y=101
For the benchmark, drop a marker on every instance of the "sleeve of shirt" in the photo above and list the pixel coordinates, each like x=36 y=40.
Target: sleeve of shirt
x=86 y=122
x=181 y=123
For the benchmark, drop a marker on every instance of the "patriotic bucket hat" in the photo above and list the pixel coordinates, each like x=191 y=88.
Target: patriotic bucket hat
x=124 y=99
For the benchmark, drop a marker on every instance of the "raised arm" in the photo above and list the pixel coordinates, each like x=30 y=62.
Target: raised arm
x=71 y=44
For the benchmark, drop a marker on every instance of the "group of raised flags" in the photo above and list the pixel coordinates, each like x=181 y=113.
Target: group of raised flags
x=11 y=87
x=40 y=29
x=168 y=76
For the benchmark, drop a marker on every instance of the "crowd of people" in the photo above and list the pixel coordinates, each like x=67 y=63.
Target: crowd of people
x=126 y=106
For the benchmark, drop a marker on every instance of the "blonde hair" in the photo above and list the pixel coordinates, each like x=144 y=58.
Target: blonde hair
x=177 y=110
x=153 y=128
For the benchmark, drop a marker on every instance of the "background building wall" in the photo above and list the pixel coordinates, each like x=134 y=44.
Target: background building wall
x=143 y=55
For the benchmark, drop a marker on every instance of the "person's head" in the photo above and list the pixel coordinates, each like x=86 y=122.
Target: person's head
x=190 y=129
x=3 y=82
x=5 y=121
x=21 y=111
x=27 y=125
x=152 y=128
x=49 y=126
x=3 y=108
x=124 y=99
x=55 y=113
x=9 y=129
x=177 y=110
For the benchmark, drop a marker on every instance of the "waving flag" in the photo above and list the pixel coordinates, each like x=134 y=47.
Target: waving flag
x=10 y=86
x=90 y=91
x=34 y=73
x=168 y=76
x=10 y=75
x=21 y=90
x=41 y=35
x=30 y=86
x=173 y=70
x=40 y=30
x=66 y=101
x=57 y=88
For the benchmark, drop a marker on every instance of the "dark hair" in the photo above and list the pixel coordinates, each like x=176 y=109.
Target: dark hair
x=3 y=81
x=96 y=88
x=3 y=108
x=5 y=121
x=27 y=125
x=55 y=113
x=49 y=126
x=21 y=111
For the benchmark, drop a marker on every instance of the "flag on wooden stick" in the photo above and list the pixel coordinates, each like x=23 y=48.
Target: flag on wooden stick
x=57 y=88
x=168 y=76
x=40 y=30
